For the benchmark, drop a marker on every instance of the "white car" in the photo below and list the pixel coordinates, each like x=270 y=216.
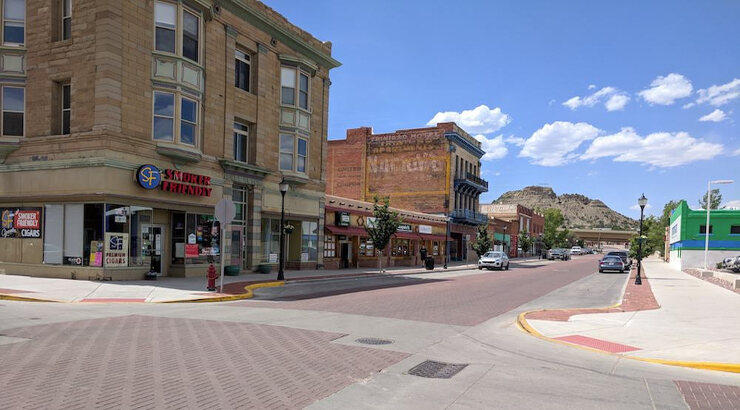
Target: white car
x=494 y=260
x=576 y=250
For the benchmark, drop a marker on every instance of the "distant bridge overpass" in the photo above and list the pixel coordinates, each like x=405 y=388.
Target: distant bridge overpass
x=604 y=236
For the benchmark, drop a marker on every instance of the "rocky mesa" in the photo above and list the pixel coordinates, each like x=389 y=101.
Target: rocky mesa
x=579 y=210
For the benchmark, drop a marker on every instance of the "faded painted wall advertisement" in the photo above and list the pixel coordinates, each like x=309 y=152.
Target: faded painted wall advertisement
x=20 y=223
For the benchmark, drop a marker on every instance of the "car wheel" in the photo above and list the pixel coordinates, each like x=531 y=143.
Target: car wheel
x=507 y=266
x=621 y=271
x=601 y=270
x=480 y=268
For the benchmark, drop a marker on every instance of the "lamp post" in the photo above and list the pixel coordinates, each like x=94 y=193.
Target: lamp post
x=642 y=201
x=283 y=189
x=447 y=243
x=709 y=207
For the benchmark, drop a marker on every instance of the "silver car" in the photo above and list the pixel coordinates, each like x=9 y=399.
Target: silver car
x=494 y=260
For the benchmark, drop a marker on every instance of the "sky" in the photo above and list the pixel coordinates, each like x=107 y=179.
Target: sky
x=606 y=99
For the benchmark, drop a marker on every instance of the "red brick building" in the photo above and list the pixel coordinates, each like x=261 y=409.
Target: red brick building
x=434 y=170
x=520 y=219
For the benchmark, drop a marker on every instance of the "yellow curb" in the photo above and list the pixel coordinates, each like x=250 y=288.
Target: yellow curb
x=524 y=326
x=25 y=299
x=247 y=295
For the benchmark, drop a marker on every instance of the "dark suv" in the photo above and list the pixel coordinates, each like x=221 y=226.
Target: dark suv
x=625 y=257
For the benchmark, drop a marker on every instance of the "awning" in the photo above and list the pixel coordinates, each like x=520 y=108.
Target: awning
x=406 y=235
x=346 y=230
x=430 y=237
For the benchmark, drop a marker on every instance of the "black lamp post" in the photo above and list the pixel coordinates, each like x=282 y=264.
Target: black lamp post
x=642 y=201
x=283 y=189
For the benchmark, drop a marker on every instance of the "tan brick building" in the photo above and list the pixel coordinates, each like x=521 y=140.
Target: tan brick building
x=197 y=100
x=435 y=170
x=520 y=219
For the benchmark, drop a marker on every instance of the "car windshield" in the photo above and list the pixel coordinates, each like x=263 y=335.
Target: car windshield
x=493 y=255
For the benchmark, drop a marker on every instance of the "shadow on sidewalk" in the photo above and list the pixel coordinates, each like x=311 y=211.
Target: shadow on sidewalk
x=312 y=290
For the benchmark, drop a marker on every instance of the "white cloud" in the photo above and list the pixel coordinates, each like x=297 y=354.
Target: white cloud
x=666 y=90
x=591 y=86
x=688 y=105
x=615 y=99
x=736 y=153
x=479 y=120
x=616 y=102
x=660 y=149
x=714 y=116
x=518 y=141
x=732 y=204
x=554 y=144
x=494 y=147
x=717 y=95
x=636 y=207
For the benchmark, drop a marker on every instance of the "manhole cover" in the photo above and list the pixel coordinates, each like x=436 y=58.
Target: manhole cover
x=373 y=341
x=436 y=370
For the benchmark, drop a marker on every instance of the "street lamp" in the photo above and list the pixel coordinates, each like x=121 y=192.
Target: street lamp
x=709 y=207
x=642 y=201
x=283 y=189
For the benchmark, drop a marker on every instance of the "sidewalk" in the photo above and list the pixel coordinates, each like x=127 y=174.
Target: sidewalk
x=167 y=289
x=696 y=321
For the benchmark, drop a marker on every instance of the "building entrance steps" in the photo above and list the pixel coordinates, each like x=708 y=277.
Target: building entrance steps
x=693 y=323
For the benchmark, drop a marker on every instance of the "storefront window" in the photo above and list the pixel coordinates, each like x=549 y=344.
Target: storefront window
x=309 y=241
x=401 y=247
x=178 y=238
x=435 y=248
x=271 y=239
x=366 y=247
x=330 y=246
x=202 y=238
x=93 y=236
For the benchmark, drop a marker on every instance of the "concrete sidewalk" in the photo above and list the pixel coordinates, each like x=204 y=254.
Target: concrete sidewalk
x=696 y=322
x=167 y=289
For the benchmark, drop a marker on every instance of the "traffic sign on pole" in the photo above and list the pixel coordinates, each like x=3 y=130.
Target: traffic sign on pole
x=224 y=213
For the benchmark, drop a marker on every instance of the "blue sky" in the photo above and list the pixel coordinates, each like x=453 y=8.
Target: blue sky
x=644 y=74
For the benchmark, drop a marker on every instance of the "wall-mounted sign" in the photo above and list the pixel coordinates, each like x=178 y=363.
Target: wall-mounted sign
x=116 y=249
x=404 y=228
x=171 y=180
x=425 y=229
x=341 y=219
x=675 y=233
x=20 y=223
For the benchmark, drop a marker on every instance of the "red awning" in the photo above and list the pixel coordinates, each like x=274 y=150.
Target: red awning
x=406 y=235
x=430 y=237
x=346 y=230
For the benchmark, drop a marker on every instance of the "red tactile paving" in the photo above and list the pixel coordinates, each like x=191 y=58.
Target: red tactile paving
x=14 y=291
x=463 y=300
x=152 y=362
x=636 y=298
x=599 y=344
x=709 y=396
x=114 y=300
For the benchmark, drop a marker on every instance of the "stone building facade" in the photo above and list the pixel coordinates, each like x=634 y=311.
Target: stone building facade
x=125 y=122
x=435 y=170
x=520 y=219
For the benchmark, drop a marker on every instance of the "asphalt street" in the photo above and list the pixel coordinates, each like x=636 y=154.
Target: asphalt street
x=297 y=346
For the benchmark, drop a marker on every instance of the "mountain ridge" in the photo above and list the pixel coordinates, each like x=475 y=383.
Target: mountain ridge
x=580 y=211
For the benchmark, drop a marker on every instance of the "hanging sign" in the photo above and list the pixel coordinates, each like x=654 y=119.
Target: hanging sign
x=341 y=219
x=404 y=228
x=425 y=229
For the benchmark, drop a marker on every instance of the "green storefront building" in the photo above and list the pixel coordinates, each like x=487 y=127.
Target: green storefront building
x=687 y=235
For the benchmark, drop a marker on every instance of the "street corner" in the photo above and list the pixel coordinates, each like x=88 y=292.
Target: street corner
x=248 y=292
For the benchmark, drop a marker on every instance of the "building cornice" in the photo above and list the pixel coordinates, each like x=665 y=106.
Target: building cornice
x=465 y=144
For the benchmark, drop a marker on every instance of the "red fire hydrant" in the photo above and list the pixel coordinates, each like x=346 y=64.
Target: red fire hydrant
x=212 y=275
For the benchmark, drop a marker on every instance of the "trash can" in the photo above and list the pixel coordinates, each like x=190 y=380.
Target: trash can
x=429 y=263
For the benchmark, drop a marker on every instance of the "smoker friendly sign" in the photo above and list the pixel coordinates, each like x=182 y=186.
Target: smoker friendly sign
x=20 y=222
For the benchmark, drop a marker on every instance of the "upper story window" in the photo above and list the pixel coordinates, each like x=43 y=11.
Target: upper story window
x=13 y=107
x=294 y=87
x=241 y=142
x=66 y=19
x=14 y=22
x=66 y=108
x=242 y=70
x=293 y=153
x=735 y=229
x=173 y=22
x=703 y=229
x=167 y=111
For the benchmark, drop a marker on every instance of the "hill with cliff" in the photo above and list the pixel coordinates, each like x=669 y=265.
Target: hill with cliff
x=579 y=210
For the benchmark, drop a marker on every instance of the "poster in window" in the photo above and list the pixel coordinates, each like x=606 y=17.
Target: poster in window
x=191 y=251
x=20 y=223
x=116 y=249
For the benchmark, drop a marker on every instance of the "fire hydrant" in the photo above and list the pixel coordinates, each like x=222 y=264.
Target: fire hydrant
x=212 y=275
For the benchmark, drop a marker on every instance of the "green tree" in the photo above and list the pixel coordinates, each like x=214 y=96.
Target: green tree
x=665 y=219
x=653 y=233
x=383 y=227
x=555 y=235
x=483 y=241
x=525 y=241
x=716 y=199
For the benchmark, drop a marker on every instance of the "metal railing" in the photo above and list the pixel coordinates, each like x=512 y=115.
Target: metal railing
x=470 y=177
x=466 y=215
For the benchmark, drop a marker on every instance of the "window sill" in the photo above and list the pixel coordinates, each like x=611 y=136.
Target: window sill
x=8 y=145
x=180 y=154
x=244 y=167
x=295 y=178
x=62 y=43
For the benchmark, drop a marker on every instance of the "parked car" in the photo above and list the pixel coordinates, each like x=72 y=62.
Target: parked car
x=558 y=253
x=625 y=258
x=576 y=250
x=732 y=264
x=494 y=259
x=611 y=263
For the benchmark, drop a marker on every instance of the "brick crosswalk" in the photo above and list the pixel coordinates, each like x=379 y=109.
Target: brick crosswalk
x=141 y=362
x=709 y=396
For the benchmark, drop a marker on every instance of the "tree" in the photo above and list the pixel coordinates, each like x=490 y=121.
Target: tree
x=483 y=241
x=668 y=208
x=383 y=227
x=716 y=199
x=653 y=233
x=555 y=234
x=525 y=241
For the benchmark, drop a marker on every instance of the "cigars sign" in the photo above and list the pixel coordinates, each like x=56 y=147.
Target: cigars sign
x=171 y=180
x=20 y=223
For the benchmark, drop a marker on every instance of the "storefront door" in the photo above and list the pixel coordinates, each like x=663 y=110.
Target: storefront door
x=346 y=253
x=157 y=244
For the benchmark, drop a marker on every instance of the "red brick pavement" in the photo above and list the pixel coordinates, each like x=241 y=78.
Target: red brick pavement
x=152 y=362
x=465 y=300
x=709 y=396
x=636 y=298
x=716 y=281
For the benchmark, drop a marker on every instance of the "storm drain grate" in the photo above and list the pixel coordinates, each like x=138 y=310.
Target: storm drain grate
x=436 y=370
x=373 y=341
